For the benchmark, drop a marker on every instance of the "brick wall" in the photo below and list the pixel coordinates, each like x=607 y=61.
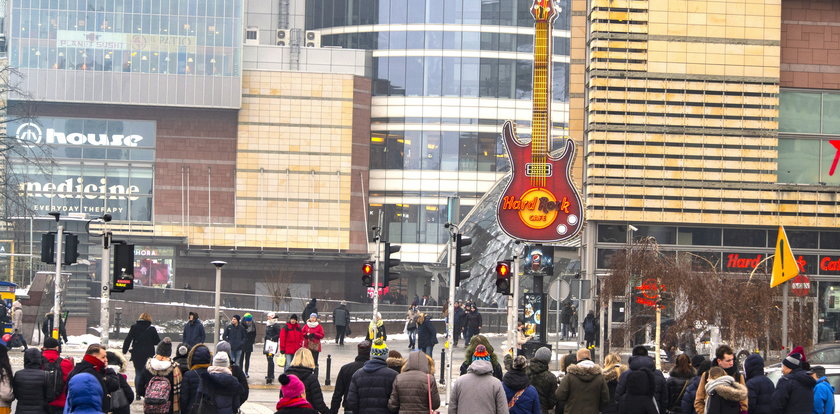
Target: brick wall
x=810 y=42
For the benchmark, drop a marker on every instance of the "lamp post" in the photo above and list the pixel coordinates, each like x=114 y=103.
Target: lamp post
x=59 y=237
x=105 y=284
x=216 y=319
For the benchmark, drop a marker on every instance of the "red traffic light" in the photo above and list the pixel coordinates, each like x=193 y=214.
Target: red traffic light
x=367 y=269
x=503 y=269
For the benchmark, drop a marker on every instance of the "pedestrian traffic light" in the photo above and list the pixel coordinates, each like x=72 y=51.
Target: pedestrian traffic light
x=503 y=271
x=367 y=274
x=48 y=248
x=123 y=267
x=71 y=248
x=461 y=257
x=390 y=263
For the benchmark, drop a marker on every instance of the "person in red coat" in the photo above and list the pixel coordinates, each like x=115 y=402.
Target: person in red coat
x=51 y=353
x=313 y=332
x=291 y=339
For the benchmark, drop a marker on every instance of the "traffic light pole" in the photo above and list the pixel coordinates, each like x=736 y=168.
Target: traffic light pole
x=59 y=238
x=105 y=298
x=378 y=236
x=450 y=326
x=514 y=302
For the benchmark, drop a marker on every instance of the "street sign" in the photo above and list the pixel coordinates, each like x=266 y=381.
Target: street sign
x=560 y=286
x=800 y=285
x=784 y=264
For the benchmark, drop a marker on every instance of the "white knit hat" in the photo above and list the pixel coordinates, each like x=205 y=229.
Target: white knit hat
x=221 y=360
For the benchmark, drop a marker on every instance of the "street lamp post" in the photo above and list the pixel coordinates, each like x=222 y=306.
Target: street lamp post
x=56 y=331
x=216 y=319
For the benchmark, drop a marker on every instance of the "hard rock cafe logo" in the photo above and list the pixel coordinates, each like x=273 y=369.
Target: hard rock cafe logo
x=538 y=207
x=30 y=133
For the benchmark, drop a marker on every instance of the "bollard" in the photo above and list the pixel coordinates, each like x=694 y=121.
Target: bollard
x=329 y=368
x=443 y=365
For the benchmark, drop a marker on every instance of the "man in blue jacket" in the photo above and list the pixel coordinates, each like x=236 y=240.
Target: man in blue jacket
x=823 y=392
x=193 y=331
x=759 y=387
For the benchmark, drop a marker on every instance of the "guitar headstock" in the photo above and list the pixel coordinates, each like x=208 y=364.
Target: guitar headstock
x=545 y=10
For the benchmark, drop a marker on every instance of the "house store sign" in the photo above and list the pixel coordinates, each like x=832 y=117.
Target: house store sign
x=32 y=133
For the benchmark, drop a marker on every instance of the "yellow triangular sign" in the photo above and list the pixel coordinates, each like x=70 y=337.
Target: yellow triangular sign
x=784 y=264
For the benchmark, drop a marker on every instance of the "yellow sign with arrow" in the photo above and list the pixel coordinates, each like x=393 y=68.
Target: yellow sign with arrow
x=784 y=264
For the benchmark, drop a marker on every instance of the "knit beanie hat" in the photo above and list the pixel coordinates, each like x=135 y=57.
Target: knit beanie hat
x=519 y=363
x=793 y=361
x=237 y=317
x=481 y=353
x=313 y=315
x=364 y=347
x=291 y=386
x=697 y=360
x=801 y=351
x=248 y=317
x=379 y=350
x=50 y=343
x=221 y=360
x=543 y=354
x=223 y=346
x=182 y=350
x=294 y=316
x=164 y=348
x=271 y=315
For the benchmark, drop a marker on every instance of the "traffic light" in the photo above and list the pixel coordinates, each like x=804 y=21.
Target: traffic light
x=367 y=274
x=71 y=248
x=48 y=248
x=388 y=263
x=461 y=257
x=503 y=271
x=123 y=267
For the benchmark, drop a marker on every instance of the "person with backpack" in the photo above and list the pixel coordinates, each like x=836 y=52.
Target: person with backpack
x=30 y=385
x=95 y=363
x=140 y=341
x=57 y=369
x=198 y=359
x=303 y=367
x=84 y=396
x=248 y=345
x=120 y=404
x=678 y=380
x=293 y=397
x=160 y=382
x=219 y=391
x=291 y=339
x=272 y=344
x=589 y=328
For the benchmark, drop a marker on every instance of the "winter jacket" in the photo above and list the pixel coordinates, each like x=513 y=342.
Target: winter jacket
x=194 y=332
x=687 y=403
x=528 y=402
x=544 y=382
x=611 y=378
x=291 y=338
x=108 y=380
x=426 y=333
x=224 y=388
x=459 y=318
x=250 y=336
x=342 y=382
x=30 y=385
x=700 y=397
x=497 y=369
x=127 y=392
x=377 y=329
x=66 y=366
x=84 y=395
x=583 y=390
x=759 y=387
x=410 y=394
x=341 y=316
x=17 y=316
x=639 y=362
x=239 y=374
x=794 y=393
x=395 y=363
x=310 y=308
x=370 y=388
x=823 y=397
x=235 y=336
x=296 y=410
x=472 y=322
x=141 y=341
x=313 y=387
x=162 y=368
x=676 y=384
x=198 y=360
x=478 y=392
x=639 y=394
x=312 y=335
x=724 y=396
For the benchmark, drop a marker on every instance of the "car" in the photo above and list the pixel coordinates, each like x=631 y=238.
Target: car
x=827 y=354
x=832 y=373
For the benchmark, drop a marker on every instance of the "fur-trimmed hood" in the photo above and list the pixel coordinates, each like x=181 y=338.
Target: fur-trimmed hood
x=395 y=363
x=727 y=388
x=118 y=357
x=162 y=367
x=199 y=355
x=585 y=370
x=612 y=374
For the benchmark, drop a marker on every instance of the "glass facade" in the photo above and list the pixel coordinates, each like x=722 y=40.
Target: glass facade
x=809 y=137
x=447 y=74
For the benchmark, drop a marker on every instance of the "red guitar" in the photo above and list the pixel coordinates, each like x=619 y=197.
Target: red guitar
x=540 y=204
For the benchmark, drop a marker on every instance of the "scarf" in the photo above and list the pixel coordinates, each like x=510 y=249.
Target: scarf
x=176 y=389
x=373 y=327
x=199 y=366
x=711 y=385
x=312 y=325
x=292 y=402
x=97 y=364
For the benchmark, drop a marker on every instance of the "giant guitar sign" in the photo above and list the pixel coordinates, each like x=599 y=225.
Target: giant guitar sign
x=540 y=204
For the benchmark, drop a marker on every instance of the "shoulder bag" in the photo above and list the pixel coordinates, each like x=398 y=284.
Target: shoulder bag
x=429 y=392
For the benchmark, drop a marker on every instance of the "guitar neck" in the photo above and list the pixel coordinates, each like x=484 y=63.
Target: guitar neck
x=542 y=92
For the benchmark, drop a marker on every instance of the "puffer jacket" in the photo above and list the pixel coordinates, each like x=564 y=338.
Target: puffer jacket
x=794 y=393
x=759 y=387
x=544 y=382
x=66 y=365
x=636 y=363
x=641 y=387
x=235 y=336
x=223 y=387
x=313 y=388
x=426 y=333
x=194 y=331
x=198 y=360
x=410 y=394
x=584 y=389
x=687 y=403
x=370 y=388
x=30 y=385
x=528 y=402
x=84 y=395
x=291 y=338
x=677 y=383
x=478 y=392
x=163 y=368
x=725 y=396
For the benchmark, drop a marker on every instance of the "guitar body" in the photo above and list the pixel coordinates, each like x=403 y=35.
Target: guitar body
x=542 y=209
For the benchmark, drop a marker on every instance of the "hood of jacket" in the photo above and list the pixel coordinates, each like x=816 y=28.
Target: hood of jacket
x=416 y=362
x=396 y=363
x=754 y=366
x=199 y=355
x=728 y=389
x=84 y=392
x=640 y=382
x=641 y=361
x=516 y=379
x=536 y=366
x=802 y=377
x=480 y=367
x=142 y=325
x=32 y=358
x=222 y=383
x=300 y=371
x=374 y=364
x=585 y=370
x=16 y=305
x=162 y=367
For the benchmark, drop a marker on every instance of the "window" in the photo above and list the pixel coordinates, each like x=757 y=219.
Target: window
x=612 y=233
x=744 y=237
x=799 y=111
x=799 y=161
x=698 y=236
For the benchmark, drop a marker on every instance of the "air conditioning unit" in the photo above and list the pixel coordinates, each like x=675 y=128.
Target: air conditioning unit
x=312 y=38
x=283 y=38
x=252 y=36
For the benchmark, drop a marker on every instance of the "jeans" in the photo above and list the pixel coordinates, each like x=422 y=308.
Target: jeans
x=412 y=339
x=289 y=358
x=429 y=350
x=339 y=334
x=139 y=367
x=246 y=360
x=236 y=357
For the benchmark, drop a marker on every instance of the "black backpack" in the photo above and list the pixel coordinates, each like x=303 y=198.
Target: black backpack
x=55 y=378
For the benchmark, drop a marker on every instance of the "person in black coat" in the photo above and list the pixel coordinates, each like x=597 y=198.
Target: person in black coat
x=248 y=345
x=303 y=367
x=459 y=322
x=310 y=308
x=687 y=403
x=219 y=384
x=117 y=362
x=426 y=334
x=236 y=371
x=95 y=363
x=472 y=323
x=141 y=341
x=371 y=386
x=640 y=388
x=30 y=385
x=198 y=359
x=193 y=331
x=678 y=380
x=272 y=333
x=794 y=392
x=235 y=336
x=345 y=375
x=759 y=387
x=640 y=360
x=48 y=325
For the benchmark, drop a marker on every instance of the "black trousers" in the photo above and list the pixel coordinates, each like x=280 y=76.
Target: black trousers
x=270 y=374
x=246 y=360
x=339 y=334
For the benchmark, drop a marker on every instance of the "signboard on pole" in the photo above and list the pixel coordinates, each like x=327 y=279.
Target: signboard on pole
x=800 y=285
x=784 y=264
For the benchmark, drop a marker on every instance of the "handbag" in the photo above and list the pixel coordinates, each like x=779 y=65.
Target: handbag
x=270 y=347
x=280 y=360
x=312 y=345
x=429 y=389
x=119 y=400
